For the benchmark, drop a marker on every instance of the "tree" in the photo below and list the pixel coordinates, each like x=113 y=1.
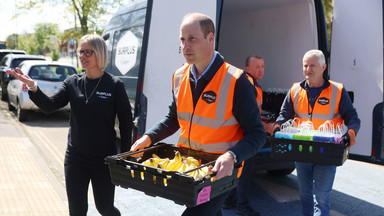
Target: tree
x=88 y=12
x=46 y=36
x=328 y=8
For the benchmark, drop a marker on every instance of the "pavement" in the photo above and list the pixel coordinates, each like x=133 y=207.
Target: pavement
x=27 y=185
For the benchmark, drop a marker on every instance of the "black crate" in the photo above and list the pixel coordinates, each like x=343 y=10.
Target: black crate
x=128 y=172
x=316 y=152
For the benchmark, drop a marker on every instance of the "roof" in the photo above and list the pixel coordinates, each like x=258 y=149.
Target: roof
x=23 y=56
x=38 y=62
x=11 y=51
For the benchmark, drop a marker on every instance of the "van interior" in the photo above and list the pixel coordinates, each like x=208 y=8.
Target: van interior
x=280 y=31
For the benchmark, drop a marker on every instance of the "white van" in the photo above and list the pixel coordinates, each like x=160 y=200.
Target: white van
x=144 y=47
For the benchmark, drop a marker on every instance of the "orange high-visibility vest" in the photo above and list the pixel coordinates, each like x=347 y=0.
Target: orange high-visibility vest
x=259 y=97
x=326 y=106
x=211 y=125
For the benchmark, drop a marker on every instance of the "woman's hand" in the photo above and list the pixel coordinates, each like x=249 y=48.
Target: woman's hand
x=32 y=85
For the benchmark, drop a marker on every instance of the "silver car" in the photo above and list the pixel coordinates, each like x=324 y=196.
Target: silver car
x=48 y=75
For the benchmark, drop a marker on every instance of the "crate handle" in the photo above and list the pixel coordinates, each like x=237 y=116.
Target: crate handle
x=126 y=154
x=199 y=167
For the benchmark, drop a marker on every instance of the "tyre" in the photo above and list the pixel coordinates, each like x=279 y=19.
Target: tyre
x=22 y=114
x=10 y=107
x=280 y=172
x=4 y=95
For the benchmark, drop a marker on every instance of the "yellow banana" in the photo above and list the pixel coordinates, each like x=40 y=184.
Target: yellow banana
x=193 y=161
x=193 y=173
x=182 y=168
x=206 y=170
x=163 y=164
x=177 y=156
x=199 y=174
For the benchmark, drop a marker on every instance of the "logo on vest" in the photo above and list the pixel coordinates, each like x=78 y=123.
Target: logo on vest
x=323 y=101
x=209 y=97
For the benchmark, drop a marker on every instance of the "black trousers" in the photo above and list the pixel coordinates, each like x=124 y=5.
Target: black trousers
x=78 y=175
x=239 y=195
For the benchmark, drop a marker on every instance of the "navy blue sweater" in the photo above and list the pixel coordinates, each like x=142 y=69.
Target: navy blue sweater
x=245 y=110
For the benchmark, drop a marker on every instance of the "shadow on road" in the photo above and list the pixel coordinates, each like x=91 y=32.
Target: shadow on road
x=56 y=119
x=272 y=196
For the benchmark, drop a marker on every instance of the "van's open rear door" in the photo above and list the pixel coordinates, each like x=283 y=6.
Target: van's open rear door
x=164 y=32
x=357 y=61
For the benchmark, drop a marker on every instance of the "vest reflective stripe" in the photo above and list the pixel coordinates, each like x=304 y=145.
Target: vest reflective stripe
x=321 y=113
x=209 y=126
x=259 y=97
x=177 y=79
x=213 y=147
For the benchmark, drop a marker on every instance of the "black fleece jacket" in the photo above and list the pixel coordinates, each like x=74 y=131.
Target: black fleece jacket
x=91 y=135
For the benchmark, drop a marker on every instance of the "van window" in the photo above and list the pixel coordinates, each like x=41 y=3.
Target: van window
x=125 y=58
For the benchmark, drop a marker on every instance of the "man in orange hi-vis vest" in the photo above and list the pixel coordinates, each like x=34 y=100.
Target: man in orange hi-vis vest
x=318 y=99
x=238 y=198
x=213 y=104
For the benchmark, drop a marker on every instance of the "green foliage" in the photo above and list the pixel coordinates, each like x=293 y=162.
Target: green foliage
x=87 y=12
x=46 y=36
x=55 y=54
x=328 y=8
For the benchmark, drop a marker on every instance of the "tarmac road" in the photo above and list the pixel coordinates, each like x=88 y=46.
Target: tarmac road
x=358 y=189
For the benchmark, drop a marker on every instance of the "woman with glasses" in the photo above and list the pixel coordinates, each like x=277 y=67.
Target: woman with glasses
x=96 y=97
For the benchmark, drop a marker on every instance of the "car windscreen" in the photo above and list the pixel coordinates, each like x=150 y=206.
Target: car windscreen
x=51 y=72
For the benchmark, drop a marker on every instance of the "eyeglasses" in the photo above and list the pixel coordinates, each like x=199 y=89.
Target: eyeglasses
x=86 y=52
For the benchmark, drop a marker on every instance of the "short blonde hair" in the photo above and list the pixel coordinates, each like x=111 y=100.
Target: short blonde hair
x=99 y=46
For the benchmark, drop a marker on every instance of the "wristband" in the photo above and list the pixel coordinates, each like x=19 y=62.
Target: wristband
x=234 y=155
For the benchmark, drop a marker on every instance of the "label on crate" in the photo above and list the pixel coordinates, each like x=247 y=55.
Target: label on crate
x=204 y=195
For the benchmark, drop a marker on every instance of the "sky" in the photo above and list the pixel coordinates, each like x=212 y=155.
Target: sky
x=26 y=22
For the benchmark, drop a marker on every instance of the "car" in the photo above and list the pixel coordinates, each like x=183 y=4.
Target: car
x=4 y=52
x=11 y=61
x=48 y=75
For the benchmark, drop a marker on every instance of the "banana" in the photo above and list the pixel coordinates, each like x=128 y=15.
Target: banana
x=175 y=163
x=177 y=156
x=205 y=170
x=182 y=168
x=193 y=173
x=149 y=162
x=193 y=161
x=178 y=163
x=163 y=164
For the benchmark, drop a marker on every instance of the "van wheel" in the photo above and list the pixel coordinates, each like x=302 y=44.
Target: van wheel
x=10 y=107
x=280 y=172
x=22 y=114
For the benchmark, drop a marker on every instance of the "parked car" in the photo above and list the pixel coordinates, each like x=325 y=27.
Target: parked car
x=4 y=52
x=11 y=61
x=48 y=75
